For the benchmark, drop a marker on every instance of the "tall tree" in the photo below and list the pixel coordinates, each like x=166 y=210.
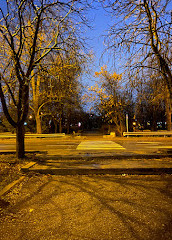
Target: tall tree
x=65 y=73
x=150 y=101
x=111 y=100
x=143 y=29
x=55 y=85
x=17 y=20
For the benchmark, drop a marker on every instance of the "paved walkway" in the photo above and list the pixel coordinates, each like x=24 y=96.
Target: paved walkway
x=103 y=157
x=87 y=155
x=94 y=207
x=110 y=166
x=99 y=145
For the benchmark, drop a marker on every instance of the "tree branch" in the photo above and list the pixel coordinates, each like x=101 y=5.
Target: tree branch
x=4 y=106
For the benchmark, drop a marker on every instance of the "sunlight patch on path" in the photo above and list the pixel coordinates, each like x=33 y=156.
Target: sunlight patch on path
x=99 y=145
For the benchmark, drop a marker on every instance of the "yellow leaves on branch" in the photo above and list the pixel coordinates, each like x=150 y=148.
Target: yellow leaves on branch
x=105 y=93
x=104 y=74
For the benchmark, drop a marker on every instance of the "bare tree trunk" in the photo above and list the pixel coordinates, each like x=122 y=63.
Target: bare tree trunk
x=60 y=125
x=38 y=124
x=60 y=121
x=55 y=127
x=156 y=46
x=154 y=119
x=154 y=125
x=20 y=147
x=118 y=128
x=68 y=121
x=168 y=116
x=68 y=127
x=109 y=129
x=168 y=110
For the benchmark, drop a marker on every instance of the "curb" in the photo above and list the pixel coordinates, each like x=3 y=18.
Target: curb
x=114 y=171
x=105 y=156
x=27 y=166
x=14 y=151
x=9 y=186
x=85 y=169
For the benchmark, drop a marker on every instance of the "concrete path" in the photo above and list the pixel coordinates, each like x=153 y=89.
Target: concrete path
x=99 y=145
x=100 y=156
x=104 y=157
x=114 y=167
x=103 y=164
x=85 y=145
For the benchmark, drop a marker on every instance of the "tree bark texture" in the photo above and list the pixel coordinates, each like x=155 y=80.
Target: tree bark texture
x=60 y=125
x=38 y=124
x=20 y=146
x=155 y=45
x=168 y=111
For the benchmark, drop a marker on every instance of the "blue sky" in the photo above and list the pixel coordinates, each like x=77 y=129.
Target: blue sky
x=100 y=23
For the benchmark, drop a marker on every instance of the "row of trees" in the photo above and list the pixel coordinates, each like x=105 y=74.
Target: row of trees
x=55 y=89
x=145 y=102
x=55 y=94
x=142 y=32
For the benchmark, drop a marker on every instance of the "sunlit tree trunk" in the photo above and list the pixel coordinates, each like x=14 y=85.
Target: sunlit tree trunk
x=168 y=110
x=168 y=118
x=38 y=124
x=35 y=83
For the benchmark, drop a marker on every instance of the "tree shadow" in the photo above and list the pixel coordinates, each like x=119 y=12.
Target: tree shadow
x=133 y=202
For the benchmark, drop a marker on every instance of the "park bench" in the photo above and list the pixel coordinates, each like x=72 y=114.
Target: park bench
x=148 y=133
